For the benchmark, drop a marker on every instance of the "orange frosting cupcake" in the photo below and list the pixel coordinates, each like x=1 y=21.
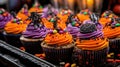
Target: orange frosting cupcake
x=15 y=27
x=84 y=15
x=58 y=39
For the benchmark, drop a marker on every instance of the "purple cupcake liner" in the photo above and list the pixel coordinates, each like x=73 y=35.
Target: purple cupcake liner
x=56 y=54
x=89 y=58
x=32 y=47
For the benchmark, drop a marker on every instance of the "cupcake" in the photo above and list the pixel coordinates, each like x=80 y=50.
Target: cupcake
x=5 y=17
x=13 y=30
x=36 y=7
x=84 y=15
x=58 y=44
x=73 y=26
x=111 y=25
x=91 y=47
x=23 y=13
x=33 y=35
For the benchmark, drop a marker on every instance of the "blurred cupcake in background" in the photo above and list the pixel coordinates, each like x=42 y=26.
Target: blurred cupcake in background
x=48 y=16
x=13 y=30
x=111 y=30
x=5 y=17
x=23 y=13
x=84 y=15
x=58 y=44
x=91 y=46
x=34 y=34
x=36 y=7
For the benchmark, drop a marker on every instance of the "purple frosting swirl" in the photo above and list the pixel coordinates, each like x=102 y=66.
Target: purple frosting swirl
x=32 y=32
x=97 y=33
x=4 y=20
x=46 y=10
x=72 y=30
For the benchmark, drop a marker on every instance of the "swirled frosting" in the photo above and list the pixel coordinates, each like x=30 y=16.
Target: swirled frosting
x=58 y=39
x=92 y=44
x=33 y=33
x=4 y=18
x=15 y=26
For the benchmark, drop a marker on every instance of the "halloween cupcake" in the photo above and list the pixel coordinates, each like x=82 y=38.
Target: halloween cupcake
x=34 y=35
x=36 y=7
x=23 y=13
x=91 y=47
x=110 y=23
x=84 y=15
x=13 y=30
x=58 y=44
x=5 y=17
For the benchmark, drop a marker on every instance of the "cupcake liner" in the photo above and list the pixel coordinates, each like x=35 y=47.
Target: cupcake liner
x=89 y=58
x=114 y=46
x=56 y=54
x=32 y=47
x=13 y=39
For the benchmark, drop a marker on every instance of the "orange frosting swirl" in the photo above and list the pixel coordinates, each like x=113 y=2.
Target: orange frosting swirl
x=58 y=39
x=15 y=28
x=61 y=24
x=92 y=44
x=83 y=17
x=111 y=32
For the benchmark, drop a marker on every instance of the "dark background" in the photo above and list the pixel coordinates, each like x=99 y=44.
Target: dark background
x=15 y=5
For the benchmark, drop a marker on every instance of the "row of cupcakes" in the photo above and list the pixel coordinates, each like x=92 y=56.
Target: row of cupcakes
x=59 y=33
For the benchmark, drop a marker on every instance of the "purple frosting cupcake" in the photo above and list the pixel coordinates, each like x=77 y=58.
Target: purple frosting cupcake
x=34 y=35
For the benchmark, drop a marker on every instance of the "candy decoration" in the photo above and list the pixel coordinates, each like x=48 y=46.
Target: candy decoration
x=67 y=65
x=76 y=24
x=73 y=23
x=52 y=20
x=14 y=20
x=73 y=65
x=40 y=6
x=1 y=12
x=61 y=31
x=54 y=31
x=117 y=24
x=65 y=12
x=85 y=13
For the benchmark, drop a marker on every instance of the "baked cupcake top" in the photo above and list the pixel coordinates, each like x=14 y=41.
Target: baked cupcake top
x=58 y=37
x=36 y=7
x=15 y=26
x=23 y=13
x=90 y=36
x=112 y=29
x=84 y=15
x=35 y=29
x=4 y=17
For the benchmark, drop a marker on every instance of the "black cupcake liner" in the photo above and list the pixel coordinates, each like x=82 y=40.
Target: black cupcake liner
x=58 y=54
x=89 y=58
x=13 y=39
x=114 y=46
x=32 y=47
